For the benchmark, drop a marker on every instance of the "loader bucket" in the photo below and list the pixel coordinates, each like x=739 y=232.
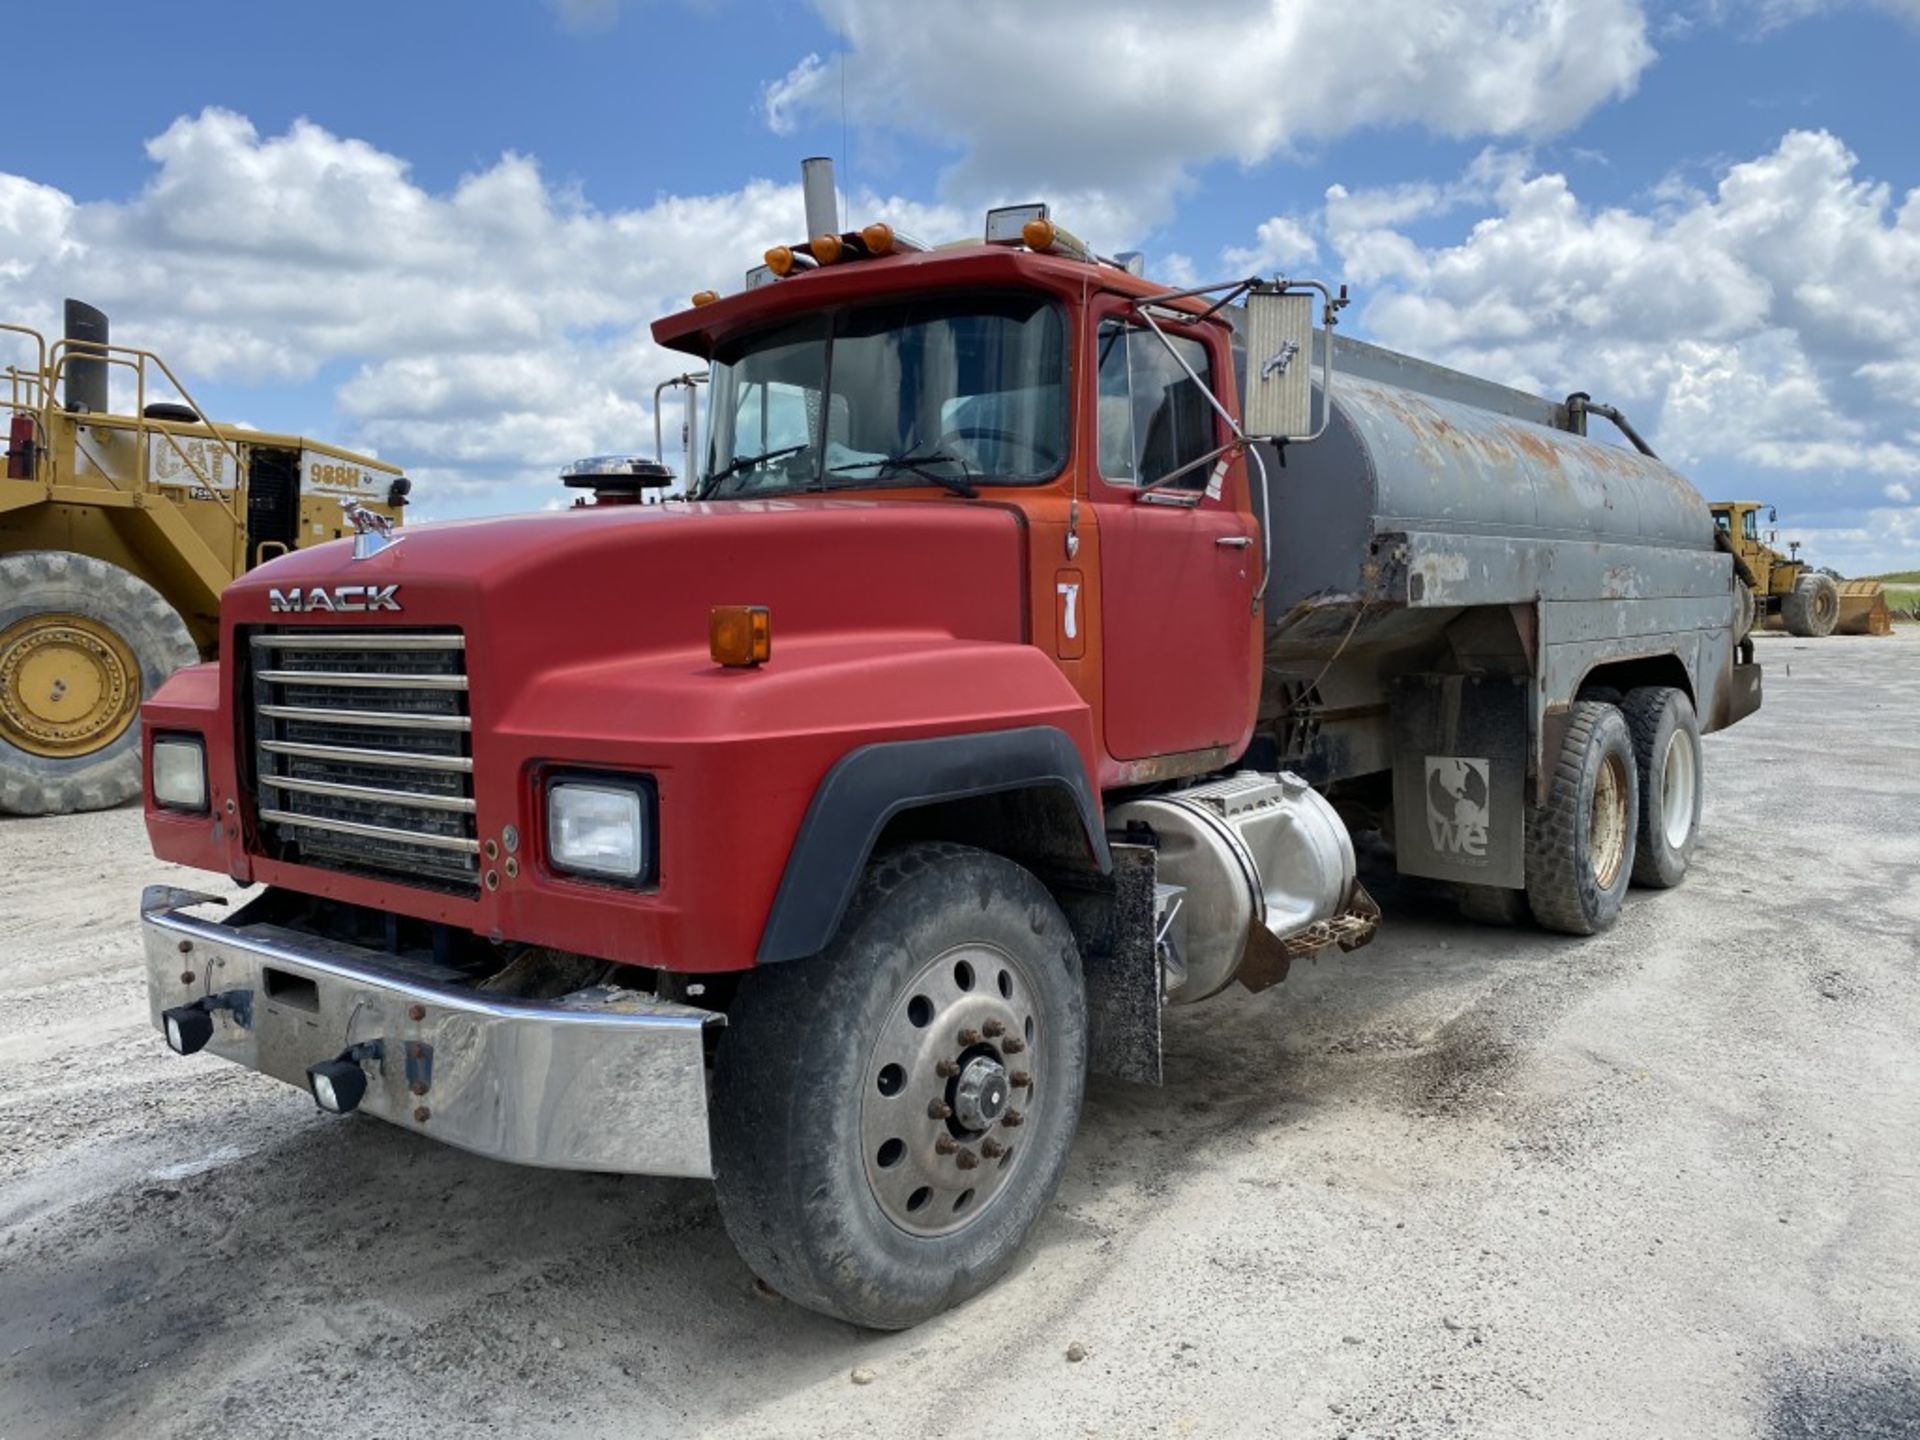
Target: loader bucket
x=1863 y=609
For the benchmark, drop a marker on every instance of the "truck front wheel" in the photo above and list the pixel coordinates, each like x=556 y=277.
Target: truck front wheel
x=892 y=1117
x=1580 y=844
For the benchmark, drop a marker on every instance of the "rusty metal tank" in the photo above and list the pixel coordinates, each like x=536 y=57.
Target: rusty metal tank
x=1412 y=449
x=1445 y=524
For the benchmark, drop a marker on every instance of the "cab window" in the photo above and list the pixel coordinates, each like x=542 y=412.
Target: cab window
x=1153 y=418
x=1750 y=524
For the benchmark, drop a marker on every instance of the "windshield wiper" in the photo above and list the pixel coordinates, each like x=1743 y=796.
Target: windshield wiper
x=917 y=465
x=747 y=462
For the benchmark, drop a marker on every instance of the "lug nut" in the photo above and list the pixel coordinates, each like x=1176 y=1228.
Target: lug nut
x=946 y=1069
x=1021 y=1080
x=969 y=1037
x=967 y=1160
x=992 y=1148
x=1012 y=1119
x=994 y=1027
x=938 y=1110
x=1013 y=1045
x=945 y=1144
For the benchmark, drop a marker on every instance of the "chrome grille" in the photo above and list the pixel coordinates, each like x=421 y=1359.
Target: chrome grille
x=363 y=757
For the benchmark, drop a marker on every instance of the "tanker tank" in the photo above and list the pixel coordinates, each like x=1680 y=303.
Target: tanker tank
x=1442 y=517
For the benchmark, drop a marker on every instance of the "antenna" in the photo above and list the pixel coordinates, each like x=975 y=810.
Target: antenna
x=846 y=186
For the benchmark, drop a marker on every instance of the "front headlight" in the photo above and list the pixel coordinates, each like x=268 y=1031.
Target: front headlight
x=598 y=828
x=179 y=772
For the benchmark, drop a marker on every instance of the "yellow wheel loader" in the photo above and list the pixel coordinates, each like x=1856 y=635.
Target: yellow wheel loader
x=1783 y=592
x=117 y=534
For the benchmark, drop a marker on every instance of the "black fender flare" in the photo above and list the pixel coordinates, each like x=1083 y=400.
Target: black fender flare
x=867 y=787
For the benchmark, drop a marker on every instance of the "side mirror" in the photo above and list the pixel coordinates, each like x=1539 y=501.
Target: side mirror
x=1278 y=399
x=1773 y=515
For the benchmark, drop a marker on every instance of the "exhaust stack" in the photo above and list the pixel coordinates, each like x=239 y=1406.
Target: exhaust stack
x=86 y=364
x=822 y=200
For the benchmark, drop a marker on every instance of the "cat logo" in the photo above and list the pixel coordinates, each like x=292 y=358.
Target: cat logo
x=340 y=600
x=1458 y=810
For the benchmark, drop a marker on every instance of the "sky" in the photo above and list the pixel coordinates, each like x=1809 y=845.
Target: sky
x=437 y=231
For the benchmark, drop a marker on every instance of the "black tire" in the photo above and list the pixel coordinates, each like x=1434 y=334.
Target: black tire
x=1577 y=870
x=40 y=582
x=803 y=1048
x=1491 y=904
x=1666 y=750
x=1600 y=694
x=1812 y=608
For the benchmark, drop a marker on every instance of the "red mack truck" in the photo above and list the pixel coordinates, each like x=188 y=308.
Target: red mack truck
x=1031 y=642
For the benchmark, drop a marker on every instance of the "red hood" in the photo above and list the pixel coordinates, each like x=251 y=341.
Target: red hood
x=535 y=592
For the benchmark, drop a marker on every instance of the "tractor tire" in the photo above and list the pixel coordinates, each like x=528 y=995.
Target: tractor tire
x=1666 y=750
x=82 y=643
x=1580 y=844
x=1812 y=608
x=1490 y=904
x=892 y=1116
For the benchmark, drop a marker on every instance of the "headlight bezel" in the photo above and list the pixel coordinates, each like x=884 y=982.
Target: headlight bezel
x=168 y=740
x=639 y=790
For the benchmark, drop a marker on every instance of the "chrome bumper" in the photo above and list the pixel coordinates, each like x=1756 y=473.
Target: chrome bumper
x=615 y=1082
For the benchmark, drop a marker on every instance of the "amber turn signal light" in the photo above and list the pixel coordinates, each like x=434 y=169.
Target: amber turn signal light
x=1039 y=234
x=878 y=238
x=740 y=636
x=826 y=248
x=780 y=260
x=705 y=297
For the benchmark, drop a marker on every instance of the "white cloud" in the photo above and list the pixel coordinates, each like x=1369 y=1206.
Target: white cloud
x=1898 y=493
x=494 y=331
x=1144 y=101
x=1280 y=244
x=1765 y=331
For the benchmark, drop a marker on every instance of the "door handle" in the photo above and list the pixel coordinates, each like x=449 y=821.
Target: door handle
x=1234 y=542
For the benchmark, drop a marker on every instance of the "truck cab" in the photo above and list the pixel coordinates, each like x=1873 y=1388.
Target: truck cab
x=819 y=832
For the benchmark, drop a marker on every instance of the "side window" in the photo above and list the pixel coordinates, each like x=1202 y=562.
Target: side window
x=1153 y=418
x=1750 y=524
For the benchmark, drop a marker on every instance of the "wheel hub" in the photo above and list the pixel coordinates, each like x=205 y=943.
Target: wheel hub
x=1607 y=827
x=68 y=685
x=953 y=1071
x=981 y=1093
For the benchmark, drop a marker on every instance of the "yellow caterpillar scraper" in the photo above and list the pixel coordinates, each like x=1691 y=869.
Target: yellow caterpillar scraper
x=117 y=534
x=1781 y=592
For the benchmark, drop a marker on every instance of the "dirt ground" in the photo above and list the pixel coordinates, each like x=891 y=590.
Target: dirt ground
x=1665 y=1182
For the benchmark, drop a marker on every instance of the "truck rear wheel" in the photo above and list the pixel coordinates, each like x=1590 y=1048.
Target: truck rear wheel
x=1580 y=844
x=82 y=643
x=892 y=1116
x=1812 y=608
x=1666 y=750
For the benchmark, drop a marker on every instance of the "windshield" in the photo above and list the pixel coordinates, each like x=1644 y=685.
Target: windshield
x=957 y=392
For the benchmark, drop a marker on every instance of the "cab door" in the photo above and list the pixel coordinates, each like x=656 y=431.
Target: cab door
x=1179 y=562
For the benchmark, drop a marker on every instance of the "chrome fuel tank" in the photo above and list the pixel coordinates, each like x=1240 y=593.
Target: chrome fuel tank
x=1253 y=850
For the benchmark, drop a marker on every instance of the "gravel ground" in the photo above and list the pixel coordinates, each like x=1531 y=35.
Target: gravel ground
x=1471 y=1182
